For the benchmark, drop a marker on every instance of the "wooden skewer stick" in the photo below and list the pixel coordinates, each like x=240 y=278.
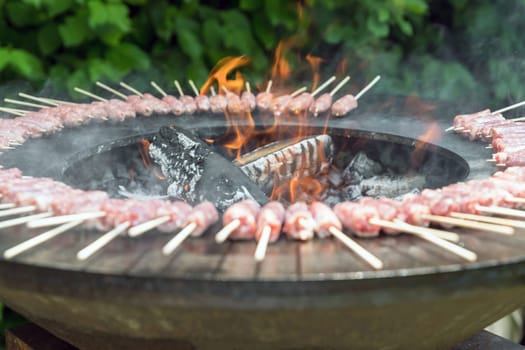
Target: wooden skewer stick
x=12 y=111
x=520 y=119
x=24 y=103
x=298 y=91
x=7 y=206
x=340 y=85
x=213 y=93
x=504 y=230
x=227 y=230
x=247 y=84
x=260 y=250
x=87 y=93
x=269 y=86
x=58 y=220
x=490 y=219
x=41 y=238
x=147 y=226
x=179 y=88
x=516 y=200
x=446 y=235
x=194 y=87
x=490 y=160
x=508 y=108
x=110 y=89
x=38 y=99
x=323 y=86
x=368 y=87
x=450 y=128
x=131 y=88
x=176 y=241
x=501 y=211
x=102 y=241
x=18 y=210
x=23 y=220
x=450 y=247
x=61 y=102
x=364 y=254
x=158 y=88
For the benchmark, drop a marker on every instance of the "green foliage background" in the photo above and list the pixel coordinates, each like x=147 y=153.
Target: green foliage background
x=438 y=49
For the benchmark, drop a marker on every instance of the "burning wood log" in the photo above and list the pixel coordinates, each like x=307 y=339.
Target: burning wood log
x=198 y=173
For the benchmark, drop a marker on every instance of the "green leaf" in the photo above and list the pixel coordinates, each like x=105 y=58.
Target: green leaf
x=26 y=64
x=78 y=78
x=113 y=14
x=4 y=57
x=100 y=69
x=21 y=14
x=380 y=30
x=57 y=7
x=48 y=38
x=189 y=43
x=264 y=33
x=74 y=30
x=127 y=57
x=249 y=4
x=236 y=30
x=212 y=33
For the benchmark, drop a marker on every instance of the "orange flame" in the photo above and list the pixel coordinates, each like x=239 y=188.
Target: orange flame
x=314 y=63
x=432 y=134
x=222 y=70
x=144 y=152
x=281 y=67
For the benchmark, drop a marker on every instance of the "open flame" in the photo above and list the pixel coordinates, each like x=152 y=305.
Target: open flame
x=220 y=74
x=143 y=146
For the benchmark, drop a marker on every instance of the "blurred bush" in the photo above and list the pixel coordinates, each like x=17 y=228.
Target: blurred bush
x=440 y=49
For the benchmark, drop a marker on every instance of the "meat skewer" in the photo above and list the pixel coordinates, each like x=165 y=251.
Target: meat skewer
x=101 y=242
x=13 y=111
x=176 y=212
x=299 y=222
x=269 y=223
x=302 y=102
x=158 y=88
x=459 y=119
x=110 y=89
x=190 y=106
x=87 y=93
x=280 y=103
x=239 y=221
x=248 y=99
x=265 y=99
x=198 y=221
x=57 y=220
x=324 y=102
x=202 y=101
x=23 y=220
x=17 y=210
x=23 y=103
x=131 y=89
x=41 y=238
x=349 y=102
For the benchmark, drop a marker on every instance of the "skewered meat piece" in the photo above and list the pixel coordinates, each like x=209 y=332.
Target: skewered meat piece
x=248 y=101
x=344 y=105
x=176 y=106
x=280 y=104
x=500 y=131
x=461 y=119
x=218 y=103
x=500 y=144
x=140 y=105
x=204 y=215
x=356 y=218
x=321 y=105
x=271 y=215
x=516 y=158
x=190 y=106
x=413 y=209
x=246 y=212
x=301 y=103
x=388 y=209
x=264 y=101
x=177 y=211
x=299 y=222
x=203 y=103
x=119 y=110
x=325 y=218
x=235 y=105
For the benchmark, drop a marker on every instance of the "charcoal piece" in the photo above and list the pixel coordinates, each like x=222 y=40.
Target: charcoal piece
x=197 y=173
x=277 y=162
x=361 y=167
x=335 y=177
x=386 y=186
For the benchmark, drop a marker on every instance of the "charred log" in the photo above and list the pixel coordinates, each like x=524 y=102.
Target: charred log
x=197 y=172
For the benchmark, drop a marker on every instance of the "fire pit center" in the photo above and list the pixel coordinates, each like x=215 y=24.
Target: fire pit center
x=364 y=163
